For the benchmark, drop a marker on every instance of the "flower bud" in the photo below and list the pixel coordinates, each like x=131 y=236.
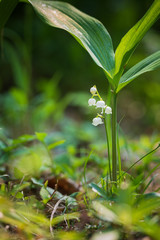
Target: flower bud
x=92 y=102
x=108 y=110
x=93 y=90
x=96 y=121
x=100 y=104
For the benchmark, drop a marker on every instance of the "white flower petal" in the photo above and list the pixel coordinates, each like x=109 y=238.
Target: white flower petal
x=100 y=104
x=108 y=110
x=93 y=90
x=92 y=102
x=96 y=121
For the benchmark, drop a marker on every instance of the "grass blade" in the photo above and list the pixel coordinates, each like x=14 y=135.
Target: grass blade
x=141 y=159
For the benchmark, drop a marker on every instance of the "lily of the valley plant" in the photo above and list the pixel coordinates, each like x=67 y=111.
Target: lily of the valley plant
x=94 y=37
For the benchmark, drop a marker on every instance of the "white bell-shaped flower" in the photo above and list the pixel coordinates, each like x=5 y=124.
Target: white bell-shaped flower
x=93 y=90
x=96 y=121
x=100 y=104
x=92 y=102
x=108 y=110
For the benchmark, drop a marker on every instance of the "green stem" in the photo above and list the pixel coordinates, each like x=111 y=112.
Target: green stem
x=108 y=148
x=119 y=154
x=114 y=138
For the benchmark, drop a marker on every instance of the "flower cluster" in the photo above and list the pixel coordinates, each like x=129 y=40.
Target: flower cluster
x=98 y=104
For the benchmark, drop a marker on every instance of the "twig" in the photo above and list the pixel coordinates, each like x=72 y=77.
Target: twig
x=53 y=212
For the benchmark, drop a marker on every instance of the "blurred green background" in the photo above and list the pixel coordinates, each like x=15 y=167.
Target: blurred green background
x=46 y=75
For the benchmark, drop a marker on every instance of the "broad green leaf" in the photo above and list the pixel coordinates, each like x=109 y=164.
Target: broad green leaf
x=148 y=64
x=55 y=144
x=71 y=235
x=41 y=136
x=28 y=165
x=15 y=143
x=88 y=31
x=104 y=212
x=130 y=41
x=44 y=195
x=98 y=190
x=150 y=227
x=68 y=216
x=111 y=235
x=151 y=195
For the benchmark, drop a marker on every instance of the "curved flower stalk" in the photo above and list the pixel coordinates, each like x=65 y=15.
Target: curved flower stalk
x=101 y=118
x=98 y=104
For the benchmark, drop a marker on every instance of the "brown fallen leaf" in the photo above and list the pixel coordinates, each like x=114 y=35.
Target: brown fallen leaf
x=63 y=185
